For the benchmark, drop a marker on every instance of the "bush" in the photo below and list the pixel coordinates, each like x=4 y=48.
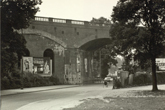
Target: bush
x=126 y=82
x=116 y=83
x=145 y=79
x=29 y=80
x=14 y=83
x=10 y=83
x=16 y=74
x=5 y=83
x=54 y=80
x=142 y=79
x=161 y=78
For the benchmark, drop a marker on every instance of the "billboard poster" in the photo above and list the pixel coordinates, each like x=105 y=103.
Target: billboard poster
x=86 y=65
x=160 y=62
x=42 y=65
x=78 y=63
x=27 y=64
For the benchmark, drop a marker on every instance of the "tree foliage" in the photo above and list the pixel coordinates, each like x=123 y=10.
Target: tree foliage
x=15 y=15
x=147 y=41
x=100 y=21
x=107 y=57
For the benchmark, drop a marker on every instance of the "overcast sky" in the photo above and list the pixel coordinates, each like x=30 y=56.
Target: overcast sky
x=83 y=10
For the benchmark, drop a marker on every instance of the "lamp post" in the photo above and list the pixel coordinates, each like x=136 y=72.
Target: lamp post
x=100 y=60
x=22 y=73
x=22 y=66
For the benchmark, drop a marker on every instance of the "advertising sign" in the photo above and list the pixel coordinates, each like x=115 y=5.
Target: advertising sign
x=37 y=65
x=78 y=63
x=27 y=64
x=41 y=65
x=160 y=62
x=86 y=65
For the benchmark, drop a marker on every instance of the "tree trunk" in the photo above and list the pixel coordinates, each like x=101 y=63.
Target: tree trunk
x=154 y=78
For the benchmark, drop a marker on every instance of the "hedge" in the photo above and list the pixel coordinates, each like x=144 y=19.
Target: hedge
x=29 y=80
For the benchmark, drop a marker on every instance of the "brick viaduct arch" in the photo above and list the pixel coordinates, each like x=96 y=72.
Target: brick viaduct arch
x=40 y=33
x=74 y=39
x=92 y=42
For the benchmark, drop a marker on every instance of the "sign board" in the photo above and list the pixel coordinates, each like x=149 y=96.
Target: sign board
x=160 y=63
x=37 y=65
x=27 y=64
x=78 y=63
x=86 y=65
x=41 y=65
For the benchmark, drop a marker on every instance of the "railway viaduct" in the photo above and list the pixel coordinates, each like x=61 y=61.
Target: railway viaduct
x=69 y=43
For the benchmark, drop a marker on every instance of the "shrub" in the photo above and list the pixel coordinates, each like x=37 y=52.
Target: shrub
x=54 y=80
x=10 y=83
x=142 y=79
x=5 y=83
x=14 y=83
x=16 y=74
x=29 y=80
x=126 y=81
x=161 y=78
x=116 y=83
x=17 y=82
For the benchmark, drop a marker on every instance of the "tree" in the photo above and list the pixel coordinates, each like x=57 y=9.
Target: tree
x=100 y=21
x=16 y=14
x=107 y=57
x=148 y=40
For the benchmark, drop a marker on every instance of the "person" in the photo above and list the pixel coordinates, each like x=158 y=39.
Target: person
x=105 y=83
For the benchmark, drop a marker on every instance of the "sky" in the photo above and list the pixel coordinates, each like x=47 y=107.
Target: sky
x=83 y=10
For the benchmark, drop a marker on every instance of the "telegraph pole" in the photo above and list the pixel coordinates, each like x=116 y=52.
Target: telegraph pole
x=22 y=67
x=100 y=60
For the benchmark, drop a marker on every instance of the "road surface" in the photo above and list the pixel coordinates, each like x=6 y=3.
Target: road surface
x=53 y=99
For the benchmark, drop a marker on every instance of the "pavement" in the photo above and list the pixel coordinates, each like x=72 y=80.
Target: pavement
x=46 y=88
x=34 y=89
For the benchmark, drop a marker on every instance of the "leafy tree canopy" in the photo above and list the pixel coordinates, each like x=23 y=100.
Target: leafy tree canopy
x=147 y=41
x=15 y=15
x=107 y=57
x=100 y=21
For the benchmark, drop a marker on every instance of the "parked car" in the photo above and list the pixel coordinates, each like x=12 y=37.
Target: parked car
x=108 y=79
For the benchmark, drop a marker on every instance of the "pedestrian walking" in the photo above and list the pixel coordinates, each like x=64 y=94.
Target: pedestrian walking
x=105 y=83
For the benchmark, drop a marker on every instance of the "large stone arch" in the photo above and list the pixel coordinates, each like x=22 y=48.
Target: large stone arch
x=93 y=38
x=43 y=34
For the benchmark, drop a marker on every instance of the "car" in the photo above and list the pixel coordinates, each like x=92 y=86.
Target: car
x=108 y=79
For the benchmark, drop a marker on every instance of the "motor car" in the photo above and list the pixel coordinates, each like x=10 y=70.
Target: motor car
x=108 y=79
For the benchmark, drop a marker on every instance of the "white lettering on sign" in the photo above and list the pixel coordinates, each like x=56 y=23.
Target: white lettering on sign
x=38 y=61
x=160 y=62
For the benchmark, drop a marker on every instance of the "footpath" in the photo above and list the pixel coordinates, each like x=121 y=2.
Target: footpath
x=114 y=93
x=34 y=89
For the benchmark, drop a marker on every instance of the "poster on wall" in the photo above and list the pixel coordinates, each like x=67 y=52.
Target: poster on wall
x=86 y=65
x=78 y=63
x=27 y=63
x=42 y=65
x=160 y=62
x=67 y=72
x=92 y=65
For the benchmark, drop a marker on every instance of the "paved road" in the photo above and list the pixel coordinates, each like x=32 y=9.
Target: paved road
x=52 y=99
x=58 y=99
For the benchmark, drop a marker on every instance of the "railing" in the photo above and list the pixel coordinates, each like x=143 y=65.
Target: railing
x=41 y=19
x=67 y=21
x=78 y=22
